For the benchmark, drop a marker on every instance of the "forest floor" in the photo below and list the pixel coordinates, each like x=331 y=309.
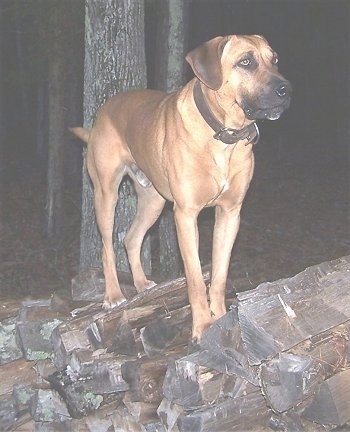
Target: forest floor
x=291 y=219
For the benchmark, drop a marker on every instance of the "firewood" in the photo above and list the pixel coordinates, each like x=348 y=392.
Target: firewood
x=248 y=412
x=47 y=406
x=142 y=412
x=332 y=402
x=75 y=334
x=10 y=348
x=9 y=308
x=190 y=385
x=145 y=378
x=8 y=412
x=124 y=421
x=117 y=328
x=16 y=372
x=293 y=376
x=288 y=379
x=222 y=348
x=169 y=412
x=36 y=323
x=171 y=330
x=83 y=395
x=276 y=316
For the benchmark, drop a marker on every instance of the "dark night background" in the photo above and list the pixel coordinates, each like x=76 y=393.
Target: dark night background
x=302 y=159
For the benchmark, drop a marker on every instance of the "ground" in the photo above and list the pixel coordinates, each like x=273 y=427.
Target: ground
x=294 y=216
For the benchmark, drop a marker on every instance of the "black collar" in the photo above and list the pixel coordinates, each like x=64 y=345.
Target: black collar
x=225 y=134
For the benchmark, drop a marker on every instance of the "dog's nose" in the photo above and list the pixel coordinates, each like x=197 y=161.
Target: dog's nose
x=284 y=89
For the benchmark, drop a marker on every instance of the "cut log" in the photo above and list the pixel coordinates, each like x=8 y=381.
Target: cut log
x=190 y=385
x=22 y=394
x=123 y=421
x=291 y=377
x=117 y=329
x=89 y=285
x=9 y=308
x=16 y=372
x=47 y=406
x=172 y=330
x=8 y=413
x=332 y=402
x=276 y=316
x=142 y=412
x=84 y=395
x=145 y=378
x=245 y=413
x=10 y=348
x=288 y=379
x=76 y=334
x=169 y=412
x=222 y=348
x=35 y=325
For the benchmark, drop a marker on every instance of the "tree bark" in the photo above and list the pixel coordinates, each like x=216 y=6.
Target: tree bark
x=1 y=124
x=57 y=81
x=169 y=76
x=114 y=62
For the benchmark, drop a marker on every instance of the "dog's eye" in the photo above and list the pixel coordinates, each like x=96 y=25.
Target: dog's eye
x=275 y=60
x=246 y=62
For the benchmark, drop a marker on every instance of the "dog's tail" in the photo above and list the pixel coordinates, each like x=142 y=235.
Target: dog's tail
x=81 y=133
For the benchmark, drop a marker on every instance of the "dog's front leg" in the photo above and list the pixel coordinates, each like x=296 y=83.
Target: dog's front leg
x=187 y=232
x=225 y=232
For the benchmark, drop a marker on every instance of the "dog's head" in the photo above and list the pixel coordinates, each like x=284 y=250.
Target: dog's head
x=243 y=70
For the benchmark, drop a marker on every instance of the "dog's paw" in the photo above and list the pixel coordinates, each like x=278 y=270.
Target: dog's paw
x=145 y=285
x=149 y=284
x=107 y=304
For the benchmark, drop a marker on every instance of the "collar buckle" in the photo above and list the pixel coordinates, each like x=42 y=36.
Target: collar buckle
x=226 y=135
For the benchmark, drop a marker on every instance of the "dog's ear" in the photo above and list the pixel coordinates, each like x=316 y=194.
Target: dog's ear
x=205 y=61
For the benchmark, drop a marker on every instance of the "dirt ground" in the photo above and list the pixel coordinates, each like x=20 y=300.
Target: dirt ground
x=293 y=217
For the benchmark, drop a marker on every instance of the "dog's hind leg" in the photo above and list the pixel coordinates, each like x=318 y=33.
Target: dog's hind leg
x=106 y=178
x=149 y=206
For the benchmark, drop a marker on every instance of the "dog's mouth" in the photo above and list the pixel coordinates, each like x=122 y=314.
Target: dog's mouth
x=273 y=113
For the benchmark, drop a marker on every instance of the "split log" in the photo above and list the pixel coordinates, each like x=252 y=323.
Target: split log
x=76 y=334
x=291 y=377
x=171 y=330
x=35 y=325
x=291 y=421
x=142 y=412
x=332 y=402
x=16 y=372
x=22 y=394
x=124 y=421
x=248 y=412
x=89 y=285
x=145 y=378
x=169 y=412
x=83 y=395
x=9 y=308
x=190 y=385
x=120 y=330
x=10 y=348
x=154 y=427
x=276 y=316
x=8 y=412
x=46 y=405
x=222 y=348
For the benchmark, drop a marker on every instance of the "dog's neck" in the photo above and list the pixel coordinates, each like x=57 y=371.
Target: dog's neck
x=225 y=134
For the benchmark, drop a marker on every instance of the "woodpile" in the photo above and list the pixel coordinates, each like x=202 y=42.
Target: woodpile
x=279 y=360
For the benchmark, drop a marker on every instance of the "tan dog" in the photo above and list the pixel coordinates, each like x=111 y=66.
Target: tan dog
x=192 y=147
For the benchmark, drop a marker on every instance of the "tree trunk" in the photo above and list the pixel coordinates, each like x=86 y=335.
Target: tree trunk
x=57 y=78
x=114 y=62
x=1 y=124
x=169 y=76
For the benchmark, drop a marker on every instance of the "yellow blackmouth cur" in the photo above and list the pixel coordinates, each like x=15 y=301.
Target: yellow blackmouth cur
x=192 y=147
